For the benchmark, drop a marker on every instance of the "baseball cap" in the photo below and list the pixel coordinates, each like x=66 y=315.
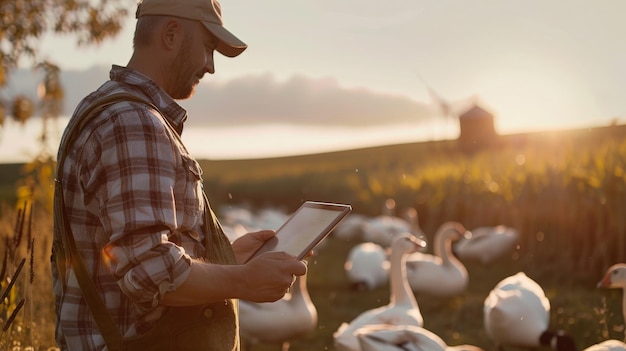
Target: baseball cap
x=209 y=12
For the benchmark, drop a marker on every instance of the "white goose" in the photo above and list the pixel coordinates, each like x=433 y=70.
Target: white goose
x=236 y=214
x=615 y=277
x=402 y=308
x=367 y=267
x=517 y=313
x=271 y=218
x=404 y=338
x=608 y=345
x=487 y=243
x=441 y=274
x=351 y=228
x=382 y=229
x=281 y=321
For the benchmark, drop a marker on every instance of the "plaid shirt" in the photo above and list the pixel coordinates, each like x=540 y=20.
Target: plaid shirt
x=133 y=196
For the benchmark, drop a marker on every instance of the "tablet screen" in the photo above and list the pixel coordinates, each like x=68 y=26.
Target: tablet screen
x=304 y=230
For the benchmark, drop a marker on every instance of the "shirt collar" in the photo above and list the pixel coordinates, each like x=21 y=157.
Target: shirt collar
x=170 y=109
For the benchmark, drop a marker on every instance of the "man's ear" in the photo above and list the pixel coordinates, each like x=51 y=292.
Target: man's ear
x=171 y=34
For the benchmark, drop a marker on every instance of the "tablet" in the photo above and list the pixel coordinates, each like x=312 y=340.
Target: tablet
x=305 y=228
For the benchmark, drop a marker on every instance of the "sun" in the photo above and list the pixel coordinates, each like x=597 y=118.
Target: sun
x=532 y=94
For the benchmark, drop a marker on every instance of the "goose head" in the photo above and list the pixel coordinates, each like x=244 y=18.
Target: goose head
x=406 y=243
x=615 y=277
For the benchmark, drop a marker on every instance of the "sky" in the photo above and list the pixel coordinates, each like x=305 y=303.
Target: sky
x=360 y=68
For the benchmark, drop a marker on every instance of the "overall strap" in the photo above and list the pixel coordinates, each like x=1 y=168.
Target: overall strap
x=217 y=245
x=110 y=331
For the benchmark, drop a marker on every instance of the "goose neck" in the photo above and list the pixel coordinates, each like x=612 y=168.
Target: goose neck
x=400 y=290
x=443 y=244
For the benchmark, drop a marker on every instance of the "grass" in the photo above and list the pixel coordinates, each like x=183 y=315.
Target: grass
x=28 y=240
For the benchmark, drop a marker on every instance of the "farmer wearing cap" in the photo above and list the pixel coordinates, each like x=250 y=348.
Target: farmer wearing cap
x=139 y=260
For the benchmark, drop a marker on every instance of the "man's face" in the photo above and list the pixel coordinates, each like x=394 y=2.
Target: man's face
x=194 y=59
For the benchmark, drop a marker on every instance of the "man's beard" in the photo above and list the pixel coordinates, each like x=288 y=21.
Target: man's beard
x=183 y=83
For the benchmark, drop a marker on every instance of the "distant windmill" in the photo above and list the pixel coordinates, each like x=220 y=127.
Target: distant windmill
x=443 y=106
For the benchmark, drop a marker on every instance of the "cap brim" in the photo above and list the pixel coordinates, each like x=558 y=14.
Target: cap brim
x=229 y=45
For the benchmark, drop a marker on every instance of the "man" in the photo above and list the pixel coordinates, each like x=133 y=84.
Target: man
x=131 y=197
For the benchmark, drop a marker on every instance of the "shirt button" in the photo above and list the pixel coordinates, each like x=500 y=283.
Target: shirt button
x=207 y=313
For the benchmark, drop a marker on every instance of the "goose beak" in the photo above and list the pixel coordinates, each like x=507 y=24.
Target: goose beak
x=467 y=235
x=419 y=242
x=605 y=282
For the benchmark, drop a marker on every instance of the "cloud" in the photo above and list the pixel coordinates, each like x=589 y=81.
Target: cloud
x=262 y=99
x=299 y=100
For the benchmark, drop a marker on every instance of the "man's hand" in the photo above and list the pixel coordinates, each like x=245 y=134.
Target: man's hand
x=270 y=275
x=247 y=244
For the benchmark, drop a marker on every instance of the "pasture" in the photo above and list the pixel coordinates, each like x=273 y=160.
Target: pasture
x=564 y=191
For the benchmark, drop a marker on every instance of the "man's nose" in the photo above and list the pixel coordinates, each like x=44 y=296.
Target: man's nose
x=209 y=66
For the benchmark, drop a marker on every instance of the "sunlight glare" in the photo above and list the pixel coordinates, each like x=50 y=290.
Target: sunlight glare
x=532 y=94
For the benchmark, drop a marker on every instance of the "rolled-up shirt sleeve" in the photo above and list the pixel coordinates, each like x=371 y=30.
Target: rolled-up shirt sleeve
x=142 y=197
x=148 y=268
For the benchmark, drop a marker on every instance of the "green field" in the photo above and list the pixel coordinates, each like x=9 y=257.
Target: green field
x=565 y=192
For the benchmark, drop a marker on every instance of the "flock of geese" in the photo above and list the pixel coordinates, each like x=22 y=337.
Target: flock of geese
x=516 y=313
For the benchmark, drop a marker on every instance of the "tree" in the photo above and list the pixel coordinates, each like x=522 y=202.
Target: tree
x=23 y=24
